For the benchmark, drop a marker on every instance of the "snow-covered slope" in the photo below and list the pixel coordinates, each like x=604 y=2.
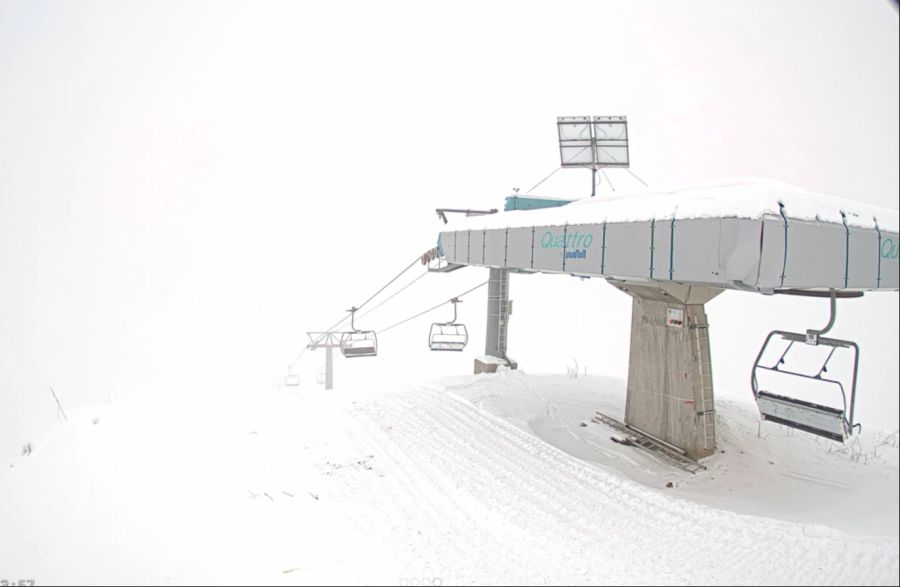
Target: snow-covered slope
x=484 y=479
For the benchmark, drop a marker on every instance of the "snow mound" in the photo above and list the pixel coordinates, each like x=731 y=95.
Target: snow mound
x=479 y=479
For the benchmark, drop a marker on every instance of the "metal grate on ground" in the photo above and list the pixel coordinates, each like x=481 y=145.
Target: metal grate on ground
x=663 y=452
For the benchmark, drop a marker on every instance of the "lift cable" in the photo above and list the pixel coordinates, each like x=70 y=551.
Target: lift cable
x=418 y=259
x=318 y=340
x=431 y=309
x=393 y=295
x=359 y=307
x=345 y=318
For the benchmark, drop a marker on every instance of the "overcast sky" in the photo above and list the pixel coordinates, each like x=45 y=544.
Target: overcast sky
x=187 y=187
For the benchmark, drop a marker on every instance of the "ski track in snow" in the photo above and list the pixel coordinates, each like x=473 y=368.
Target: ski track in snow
x=393 y=486
x=568 y=515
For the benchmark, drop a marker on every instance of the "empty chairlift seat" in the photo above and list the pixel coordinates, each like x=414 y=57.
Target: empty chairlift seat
x=448 y=336
x=358 y=343
x=806 y=378
x=291 y=379
x=826 y=410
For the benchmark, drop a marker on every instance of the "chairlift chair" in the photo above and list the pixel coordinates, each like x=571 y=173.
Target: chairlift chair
x=291 y=379
x=448 y=336
x=358 y=343
x=834 y=422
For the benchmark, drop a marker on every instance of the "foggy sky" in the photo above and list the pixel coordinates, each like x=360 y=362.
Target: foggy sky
x=186 y=188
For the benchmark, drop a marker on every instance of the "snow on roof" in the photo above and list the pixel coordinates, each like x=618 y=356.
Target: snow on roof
x=751 y=198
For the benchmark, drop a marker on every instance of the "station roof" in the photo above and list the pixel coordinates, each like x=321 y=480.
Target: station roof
x=751 y=198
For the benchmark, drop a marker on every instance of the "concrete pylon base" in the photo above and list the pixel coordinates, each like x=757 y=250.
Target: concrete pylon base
x=489 y=364
x=670 y=390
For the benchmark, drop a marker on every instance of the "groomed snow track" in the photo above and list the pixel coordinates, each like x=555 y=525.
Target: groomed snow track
x=486 y=490
x=408 y=486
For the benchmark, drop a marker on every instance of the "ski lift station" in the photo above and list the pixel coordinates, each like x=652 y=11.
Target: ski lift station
x=672 y=251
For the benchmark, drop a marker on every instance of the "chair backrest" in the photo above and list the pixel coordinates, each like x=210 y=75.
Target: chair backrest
x=788 y=370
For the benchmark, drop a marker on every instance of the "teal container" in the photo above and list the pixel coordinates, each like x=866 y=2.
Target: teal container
x=532 y=203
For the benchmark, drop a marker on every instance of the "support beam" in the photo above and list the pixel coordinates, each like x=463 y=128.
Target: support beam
x=670 y=388
x=497 y=313
x=329 y=367
x=328 y=341
x=498 y=310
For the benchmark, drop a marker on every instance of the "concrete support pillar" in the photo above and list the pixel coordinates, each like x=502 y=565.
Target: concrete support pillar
x=497 y=313
x=670 y=390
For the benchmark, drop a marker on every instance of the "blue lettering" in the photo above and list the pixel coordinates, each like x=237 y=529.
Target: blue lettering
x=889 y=249
x=572 y=240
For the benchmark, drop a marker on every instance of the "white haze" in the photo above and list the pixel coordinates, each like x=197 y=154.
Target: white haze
x=186 y=188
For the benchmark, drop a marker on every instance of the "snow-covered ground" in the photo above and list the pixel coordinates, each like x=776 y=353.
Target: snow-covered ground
x=475 y=479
